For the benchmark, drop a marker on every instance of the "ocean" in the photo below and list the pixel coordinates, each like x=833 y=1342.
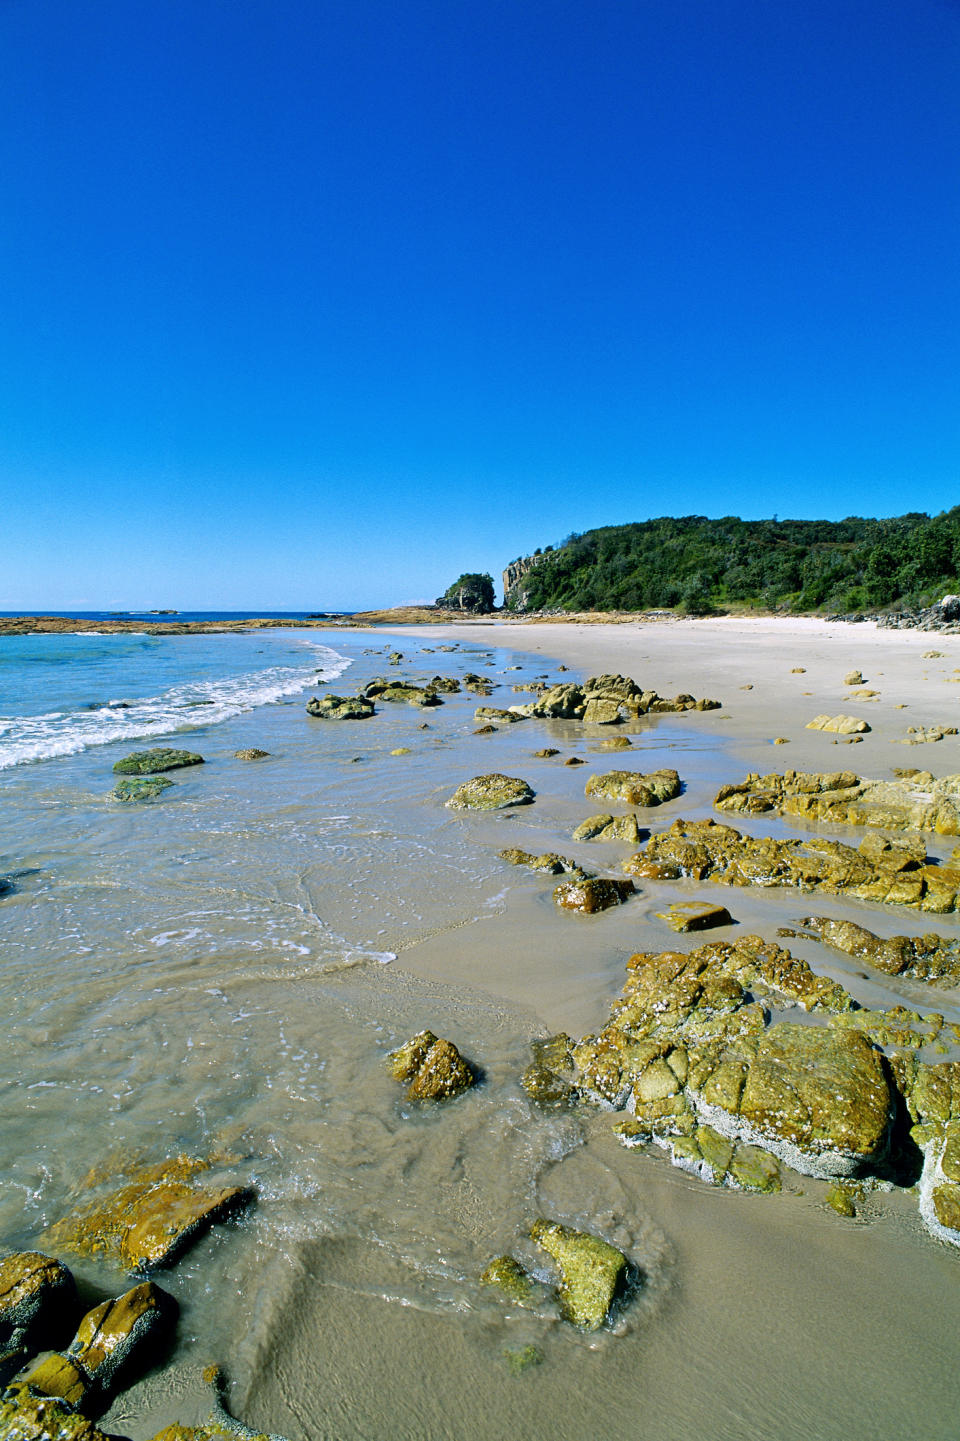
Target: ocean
x=222 y=973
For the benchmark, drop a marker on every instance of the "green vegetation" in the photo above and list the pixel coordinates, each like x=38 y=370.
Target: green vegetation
x=473 y=592
x=698 y=565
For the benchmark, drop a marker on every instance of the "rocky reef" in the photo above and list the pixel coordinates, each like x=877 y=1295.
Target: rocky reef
x=897 y=872
x=922 y=958
x=914 y=802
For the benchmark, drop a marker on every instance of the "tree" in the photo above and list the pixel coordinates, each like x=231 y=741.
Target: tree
x=472 y=592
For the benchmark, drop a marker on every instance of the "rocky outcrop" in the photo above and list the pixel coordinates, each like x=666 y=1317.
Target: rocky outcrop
x=914 y=802
x=923 y=958
x=634 y=787
x=433 y=1068
x=161 y=758
x=608 y=699
x=149 y=1220
x=879 y=870
x=401 y=693
x=490 y=793
x=336 y=707
x=592 y=1272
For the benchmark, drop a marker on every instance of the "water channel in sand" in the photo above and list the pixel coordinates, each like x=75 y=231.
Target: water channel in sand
x=225 y=972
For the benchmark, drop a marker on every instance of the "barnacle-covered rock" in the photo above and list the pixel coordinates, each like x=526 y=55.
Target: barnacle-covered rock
x=491 y=793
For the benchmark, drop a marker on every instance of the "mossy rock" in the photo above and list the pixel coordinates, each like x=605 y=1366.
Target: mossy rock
x=141 y=788
x=25 y=1416
x=592 y=1272
x=338 y=707
x=507 y=1274
x=490 y=793
x=251 y=753
x=36 y=1291
x=433 y=1066
x=520 y=1358
x=161 y=758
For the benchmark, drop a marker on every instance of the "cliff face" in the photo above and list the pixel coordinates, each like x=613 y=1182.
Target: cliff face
x=513 y=593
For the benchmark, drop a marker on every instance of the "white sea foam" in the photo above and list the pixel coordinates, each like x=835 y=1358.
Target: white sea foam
x=181 y=708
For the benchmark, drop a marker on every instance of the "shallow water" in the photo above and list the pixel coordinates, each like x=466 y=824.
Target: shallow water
x=224 y=972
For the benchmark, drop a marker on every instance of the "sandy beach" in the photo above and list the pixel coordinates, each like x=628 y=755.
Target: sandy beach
x=225 y=972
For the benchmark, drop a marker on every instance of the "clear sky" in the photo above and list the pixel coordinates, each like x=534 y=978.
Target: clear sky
x=317 y=303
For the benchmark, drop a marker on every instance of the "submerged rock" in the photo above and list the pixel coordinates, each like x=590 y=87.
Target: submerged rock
x=879 y=870
x=592 y=1272
x=141 y=788
x=913 y=802
x=161 y=758
x=151 y=1219
x=250 y=753
x=507 y=1274
x=490 y=793
x=597 y=893
x=635 y=788
x=434 y=1068
x=336 y=707
x=549 y=863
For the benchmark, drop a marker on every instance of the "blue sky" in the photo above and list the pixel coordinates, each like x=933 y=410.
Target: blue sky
x=319 y=304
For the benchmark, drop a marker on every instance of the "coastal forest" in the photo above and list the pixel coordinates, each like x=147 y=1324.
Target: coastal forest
x=697 y=565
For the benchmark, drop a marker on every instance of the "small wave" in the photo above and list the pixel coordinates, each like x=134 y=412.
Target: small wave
x=24 y=739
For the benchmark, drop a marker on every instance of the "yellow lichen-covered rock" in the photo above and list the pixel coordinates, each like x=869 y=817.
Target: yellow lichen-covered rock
x=610 y=828
x=928 y=957
x=682 y=916
x=148 y=1222
x=507 y=1274
x=27 y=1416
x=434 y=1068
x=591 y=1271
x=111 y=1335
x=914 y=801
x=55 y=1375
x=595 y=894
x=844 y=725
x=490 y=793
x=635 y=788
x=880 y=870
x=37 y=1295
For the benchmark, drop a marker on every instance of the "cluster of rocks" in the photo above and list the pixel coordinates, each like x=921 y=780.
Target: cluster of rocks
x=610 y=699
x=913 y=802
x=54 y=1390
x=593 y=1275
x=693 y=1057
x=878 y=870
x=143 y=771
x=432 y=1068
x=944 y=616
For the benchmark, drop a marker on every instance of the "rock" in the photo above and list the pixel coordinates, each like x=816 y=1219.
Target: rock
x=924 y=958
x=37 y=1298
x=840 y=1198
x=781 y=740
x=924 y=735
x=150 y=1220
x=546 y=752
x=913 y=802
x=398 y=693
x=549 y=862
x=25 y=1416
x=853 y=677
x=162 y=758
x=685 y=916
x=485 y=731
x=602 y=711
x=446 y=683
x=614 y=743
x=490 y=793
x=112 y=1335
x=433 y=1066
x=53 y=1374
x=592 y=1272
x=141 y=788
x=634 y=788
x=574 y=761
x=396 y=656
x=879 y=870
x=545 y=1087
x=401 y=751
x=521 y=1358
x=251 y=753
x=596 y=894
x=492 y=713
x=507 y=1274
x=336 y=707
x=610 y=828
x=844 y=725
x=561 y=702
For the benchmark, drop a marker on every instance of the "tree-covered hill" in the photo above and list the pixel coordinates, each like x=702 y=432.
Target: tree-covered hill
x=698 y=564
